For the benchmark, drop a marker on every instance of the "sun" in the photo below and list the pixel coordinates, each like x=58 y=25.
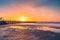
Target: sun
x=23 y=18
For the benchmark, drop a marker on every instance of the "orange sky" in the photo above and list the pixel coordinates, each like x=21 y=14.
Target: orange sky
x=43 y=13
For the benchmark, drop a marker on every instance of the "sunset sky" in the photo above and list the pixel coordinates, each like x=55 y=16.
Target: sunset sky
x=33 y=10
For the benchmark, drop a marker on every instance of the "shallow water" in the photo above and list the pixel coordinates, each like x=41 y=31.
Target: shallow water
x=42 y=32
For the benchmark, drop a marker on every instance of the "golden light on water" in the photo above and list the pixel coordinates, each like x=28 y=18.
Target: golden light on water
x=17 y=27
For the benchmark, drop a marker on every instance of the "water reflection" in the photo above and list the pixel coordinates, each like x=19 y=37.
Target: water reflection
x=17 y=27
x=10 y=32
x=44 y=28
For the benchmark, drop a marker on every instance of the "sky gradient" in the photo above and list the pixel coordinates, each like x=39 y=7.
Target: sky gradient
x=36 y=10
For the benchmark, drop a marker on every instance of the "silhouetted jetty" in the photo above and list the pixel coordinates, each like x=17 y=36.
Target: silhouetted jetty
x=2 y=22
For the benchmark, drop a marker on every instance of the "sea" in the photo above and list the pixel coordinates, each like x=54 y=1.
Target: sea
x=30 y=31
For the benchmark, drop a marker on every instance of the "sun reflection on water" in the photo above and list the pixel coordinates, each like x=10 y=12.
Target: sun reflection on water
x=17 y=27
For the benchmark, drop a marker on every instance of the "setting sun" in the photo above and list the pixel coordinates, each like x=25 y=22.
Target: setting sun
x=23 y=18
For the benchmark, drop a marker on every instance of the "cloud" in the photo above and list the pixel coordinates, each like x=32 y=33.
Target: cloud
x=42 y=13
